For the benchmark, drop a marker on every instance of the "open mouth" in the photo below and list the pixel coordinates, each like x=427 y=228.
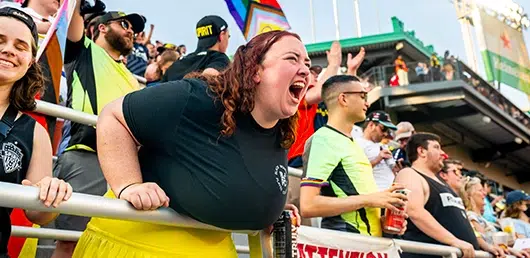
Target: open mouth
x=296 y=90
x=6 y=63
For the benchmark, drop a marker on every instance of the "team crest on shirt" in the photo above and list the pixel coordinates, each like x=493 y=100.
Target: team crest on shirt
x=281 y=178
x=11 y=157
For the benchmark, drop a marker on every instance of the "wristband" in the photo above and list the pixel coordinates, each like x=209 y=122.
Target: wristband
x=126 y=188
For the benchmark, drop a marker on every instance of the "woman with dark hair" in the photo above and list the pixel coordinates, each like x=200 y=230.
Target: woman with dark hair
x=26 y=153
x=211 y=148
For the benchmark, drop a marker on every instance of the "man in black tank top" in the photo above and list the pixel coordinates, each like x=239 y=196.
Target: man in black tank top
x=436 y=214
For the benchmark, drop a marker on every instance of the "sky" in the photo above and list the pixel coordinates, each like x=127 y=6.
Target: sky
x=434 y=21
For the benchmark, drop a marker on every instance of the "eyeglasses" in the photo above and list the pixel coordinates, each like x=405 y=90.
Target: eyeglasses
x=125 y=24
x=363 y=94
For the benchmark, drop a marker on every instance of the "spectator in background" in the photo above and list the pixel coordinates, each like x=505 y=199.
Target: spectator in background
x=376 y=126
x=339 y=185
x=182 y=50
x=202 y=142
x=473 y=195
x=209 y=58
x=448 y=72
x=155 y=71
x=435 y=68
x=516 y=205
x=451 y=174
x=42 y=12
x=490 y=201
x=403 y=133
x=151 y=50
x=436 y=213
x=95 y=77
x=138 y=59
x=402 y=71
x=353 y=64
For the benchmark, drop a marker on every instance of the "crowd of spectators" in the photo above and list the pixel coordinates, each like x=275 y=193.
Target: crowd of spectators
x=190 y=138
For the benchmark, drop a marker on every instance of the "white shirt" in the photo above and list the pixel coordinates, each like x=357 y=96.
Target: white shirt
x=383 y=175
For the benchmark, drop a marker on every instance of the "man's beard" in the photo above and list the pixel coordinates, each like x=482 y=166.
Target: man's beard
x=118 y=42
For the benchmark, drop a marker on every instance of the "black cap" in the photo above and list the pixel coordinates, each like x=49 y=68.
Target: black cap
x=208 y=30
x=89 y=17
x=23 y=17
x=136 y=20
x=382 y=118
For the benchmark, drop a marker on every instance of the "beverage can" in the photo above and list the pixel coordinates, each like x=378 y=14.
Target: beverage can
x=395 y=220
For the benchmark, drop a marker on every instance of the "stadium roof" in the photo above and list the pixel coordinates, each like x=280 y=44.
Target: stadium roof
x=380 y=49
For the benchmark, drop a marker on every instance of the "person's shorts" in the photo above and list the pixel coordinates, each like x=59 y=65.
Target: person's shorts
x=82 y=170
x=119 y=238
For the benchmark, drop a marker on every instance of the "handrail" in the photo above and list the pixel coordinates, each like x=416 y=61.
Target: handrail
x=26 y=197
x=58 y=111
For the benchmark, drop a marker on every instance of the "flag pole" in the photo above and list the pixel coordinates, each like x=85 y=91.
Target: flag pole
x=357 y=17
x=336 y=18
x=312 y=17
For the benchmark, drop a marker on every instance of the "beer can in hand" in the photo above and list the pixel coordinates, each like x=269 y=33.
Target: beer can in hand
x=395 y=220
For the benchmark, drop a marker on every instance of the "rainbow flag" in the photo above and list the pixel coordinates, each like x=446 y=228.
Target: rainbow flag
x=254 y=17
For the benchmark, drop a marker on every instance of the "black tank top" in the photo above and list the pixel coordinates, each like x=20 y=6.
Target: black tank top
x=15 y=155
x=448 y=209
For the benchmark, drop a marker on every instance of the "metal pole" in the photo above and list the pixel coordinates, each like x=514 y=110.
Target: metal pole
x=312 y=17
x=336 y=19
x=26 y=197
x=464 y=11
x=358 y=17
x=54 y=110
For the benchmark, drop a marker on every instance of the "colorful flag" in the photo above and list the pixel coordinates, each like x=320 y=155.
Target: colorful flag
x=254 y=17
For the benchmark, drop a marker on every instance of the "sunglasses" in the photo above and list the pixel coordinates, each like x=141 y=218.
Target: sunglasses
x=126 y=25
x=363 y=94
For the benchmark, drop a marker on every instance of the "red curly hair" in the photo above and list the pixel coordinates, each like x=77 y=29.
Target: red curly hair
x=235 y=87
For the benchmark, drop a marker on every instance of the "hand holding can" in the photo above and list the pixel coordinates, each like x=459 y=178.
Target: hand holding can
x=395 y=220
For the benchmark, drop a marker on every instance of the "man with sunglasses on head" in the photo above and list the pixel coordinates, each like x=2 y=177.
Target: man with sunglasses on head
x=339 y=185
x=451 y=174
x=376 y=126
x=96 y=76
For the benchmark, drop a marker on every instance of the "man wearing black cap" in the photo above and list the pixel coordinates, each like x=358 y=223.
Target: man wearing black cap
x=95 y=76
x=210 y=57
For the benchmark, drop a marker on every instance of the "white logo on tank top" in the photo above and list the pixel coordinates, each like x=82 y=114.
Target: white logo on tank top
x=281 y=178
x=11 y=157
x=448 y=200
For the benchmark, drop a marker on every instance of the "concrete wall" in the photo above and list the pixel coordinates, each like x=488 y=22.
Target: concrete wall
x=493 y=171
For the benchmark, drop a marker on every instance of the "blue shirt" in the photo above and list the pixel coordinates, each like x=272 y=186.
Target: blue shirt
x=489 y=213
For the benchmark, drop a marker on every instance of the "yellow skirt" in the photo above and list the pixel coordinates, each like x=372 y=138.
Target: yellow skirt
x=118 y=238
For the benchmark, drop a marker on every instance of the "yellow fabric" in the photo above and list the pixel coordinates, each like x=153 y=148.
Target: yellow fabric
x=29 y=250
x=117 y=238
x=79 y=147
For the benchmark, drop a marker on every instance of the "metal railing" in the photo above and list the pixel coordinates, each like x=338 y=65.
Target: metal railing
x=381 y=75
x=18 y=196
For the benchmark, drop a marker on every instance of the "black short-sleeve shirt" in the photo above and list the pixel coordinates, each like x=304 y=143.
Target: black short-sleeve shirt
x=237 y=182
x=196 y=62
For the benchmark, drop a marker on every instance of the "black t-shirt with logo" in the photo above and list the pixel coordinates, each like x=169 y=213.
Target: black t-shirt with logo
x=237 y=182
x=15 y=155
x=196 y=62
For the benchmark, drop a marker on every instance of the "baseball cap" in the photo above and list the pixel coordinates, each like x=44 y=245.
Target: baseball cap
x=23 y=17
x=404 y=130
x=208 y=30
x=136 y=20
x=382 y=118
x=167 y=46
x=515 y=196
